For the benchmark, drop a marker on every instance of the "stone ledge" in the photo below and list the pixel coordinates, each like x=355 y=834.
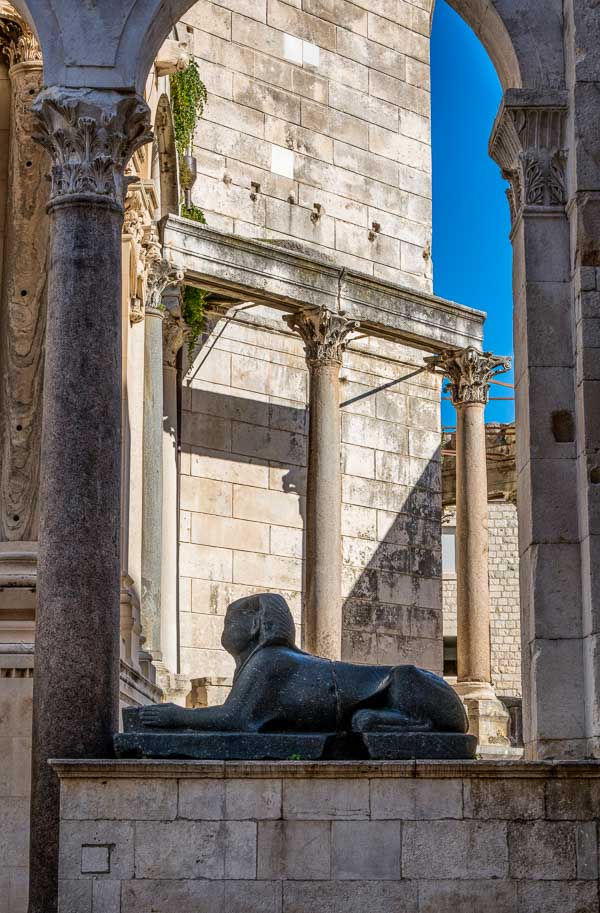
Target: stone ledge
x=91 y=769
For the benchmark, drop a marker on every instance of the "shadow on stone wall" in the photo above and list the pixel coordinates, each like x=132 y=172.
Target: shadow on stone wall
x=392 y=607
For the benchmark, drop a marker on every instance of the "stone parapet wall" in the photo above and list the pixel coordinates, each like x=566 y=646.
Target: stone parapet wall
x=317 y=128
x=420 y=837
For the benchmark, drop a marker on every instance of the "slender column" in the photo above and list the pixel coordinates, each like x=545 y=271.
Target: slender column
x=325 y=336
x=173 y=339
x=89 y=135
x=23 y=302
x=530 y=144
x=470 y=372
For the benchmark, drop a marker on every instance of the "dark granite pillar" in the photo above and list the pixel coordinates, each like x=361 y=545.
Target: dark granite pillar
x=89 y=135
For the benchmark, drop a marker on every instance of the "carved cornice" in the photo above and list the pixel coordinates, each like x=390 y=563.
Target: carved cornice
x=17 y=41
x=90 y=135
x=324 y=333
x=529 y=144
x=469 y=372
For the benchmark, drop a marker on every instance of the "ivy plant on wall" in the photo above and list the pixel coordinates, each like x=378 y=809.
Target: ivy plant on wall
x=192 y=311
x=188 y=98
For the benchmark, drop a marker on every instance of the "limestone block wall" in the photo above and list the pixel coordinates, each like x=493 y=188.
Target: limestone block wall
x=16 y=697
x=290 y=837
x=243 y=482
x=317 y=128
x=504 y=597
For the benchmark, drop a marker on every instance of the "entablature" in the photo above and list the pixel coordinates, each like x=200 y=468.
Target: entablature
x=242 y=269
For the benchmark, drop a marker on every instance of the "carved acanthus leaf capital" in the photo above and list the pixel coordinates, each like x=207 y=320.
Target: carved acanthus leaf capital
x=469 y=372
x=325 y=334
x=17 y=41
x=160 y=272
x=90 y=136
x=529 y=144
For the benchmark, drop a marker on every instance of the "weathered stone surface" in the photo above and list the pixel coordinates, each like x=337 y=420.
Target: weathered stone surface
x=540 y=850
x=365 y=850
x=294 y=850
x=463 y=849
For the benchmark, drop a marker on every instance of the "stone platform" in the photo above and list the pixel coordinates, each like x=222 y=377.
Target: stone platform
x=329 y=837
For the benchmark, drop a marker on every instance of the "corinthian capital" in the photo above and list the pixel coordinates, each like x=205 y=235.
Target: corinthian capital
x=324 y=333
x=528 y=143
x=160 y=272
x=17 y=41
x=469 y=372
x=90 y=135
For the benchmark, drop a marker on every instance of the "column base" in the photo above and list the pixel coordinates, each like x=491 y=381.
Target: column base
x=488 y=718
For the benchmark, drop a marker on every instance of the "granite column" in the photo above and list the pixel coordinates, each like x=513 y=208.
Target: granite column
x=470 y=372
x=325 y=335
x=90 y=135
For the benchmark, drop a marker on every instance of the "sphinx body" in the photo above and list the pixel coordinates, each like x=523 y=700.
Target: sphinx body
x=278 y=688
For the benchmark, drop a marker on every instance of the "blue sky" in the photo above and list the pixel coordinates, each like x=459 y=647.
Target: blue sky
x=472 y=259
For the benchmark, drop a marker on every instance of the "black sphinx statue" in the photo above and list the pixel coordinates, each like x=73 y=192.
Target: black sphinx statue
x=288 y=704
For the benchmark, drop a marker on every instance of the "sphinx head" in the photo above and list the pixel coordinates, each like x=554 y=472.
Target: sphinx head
x=263 y=619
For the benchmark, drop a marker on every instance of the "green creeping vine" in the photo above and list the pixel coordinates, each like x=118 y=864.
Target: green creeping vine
x=188 y=98
x=192 y=311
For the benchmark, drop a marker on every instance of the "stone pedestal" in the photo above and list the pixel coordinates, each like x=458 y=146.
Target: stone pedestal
x=296 y=837
x=325 y=335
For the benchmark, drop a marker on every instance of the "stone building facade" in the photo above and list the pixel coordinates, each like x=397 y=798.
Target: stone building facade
x=314 y=174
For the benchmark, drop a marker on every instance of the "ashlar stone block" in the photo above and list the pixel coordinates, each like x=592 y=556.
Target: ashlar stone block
x=192 y=849
x=365 y=850
x=294 y=850
x=325 y=799
x=460 y=849
x=542 y=850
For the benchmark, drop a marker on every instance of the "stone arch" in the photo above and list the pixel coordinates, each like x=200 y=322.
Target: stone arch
x=113 y=45
x=167 y=158
x=524 y=39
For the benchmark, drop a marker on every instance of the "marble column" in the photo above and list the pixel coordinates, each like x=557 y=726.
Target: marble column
x=173 y=339
x=23 y=301
x=470 y=372
x=90 y=135
x=325 y=335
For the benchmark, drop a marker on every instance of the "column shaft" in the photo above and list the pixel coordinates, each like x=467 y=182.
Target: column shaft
x=170 y=522
x=325 y=335
x=323 y=609
x=152 y=486
x=473 y=607
x=90 y=136
x=76 y=685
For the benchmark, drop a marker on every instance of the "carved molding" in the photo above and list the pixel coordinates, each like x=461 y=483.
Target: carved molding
x=90 y=136
x=160 y=273
x=469 y=372
x=528 y=143
x=17 y=41
x=324 y=333
x=137 y=228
